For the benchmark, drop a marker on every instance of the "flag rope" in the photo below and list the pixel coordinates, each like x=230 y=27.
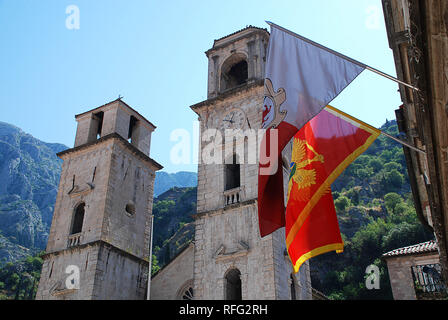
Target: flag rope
x=363 y=65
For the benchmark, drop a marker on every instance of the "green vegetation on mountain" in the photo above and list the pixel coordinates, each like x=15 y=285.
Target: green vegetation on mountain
x=173 y=227
x=19 y=280
x=165 y=181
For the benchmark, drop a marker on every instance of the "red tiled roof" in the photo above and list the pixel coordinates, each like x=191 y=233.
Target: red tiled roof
x=424 y=247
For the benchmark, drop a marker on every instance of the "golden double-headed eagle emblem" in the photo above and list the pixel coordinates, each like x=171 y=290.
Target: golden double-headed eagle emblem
x=300 y=177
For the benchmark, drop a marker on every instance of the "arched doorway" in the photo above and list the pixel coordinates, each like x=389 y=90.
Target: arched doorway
x=233 y=285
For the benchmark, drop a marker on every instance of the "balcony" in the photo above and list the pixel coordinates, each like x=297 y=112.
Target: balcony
x=233 y=196
x=74 y=240
x=428 y=282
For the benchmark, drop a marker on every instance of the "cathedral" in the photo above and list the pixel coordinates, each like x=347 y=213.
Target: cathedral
x=100 y=239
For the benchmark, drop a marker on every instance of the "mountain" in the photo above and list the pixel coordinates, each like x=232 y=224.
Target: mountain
x=29 y=175
x=173 y=222
x=165 y=181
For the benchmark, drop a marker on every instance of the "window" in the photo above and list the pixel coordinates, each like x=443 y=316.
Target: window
x=233 y=285
x=99 y=120
x=234 y=72
x=232 y=174
x=188 y=294
x=132 y=125
x=78 y=218
x=130 y=209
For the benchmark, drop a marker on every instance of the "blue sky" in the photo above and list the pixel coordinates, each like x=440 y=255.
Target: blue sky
x=152 y=53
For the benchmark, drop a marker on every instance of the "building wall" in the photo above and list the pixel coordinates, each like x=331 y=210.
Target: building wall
x=112 y=250
x=400 y=274
x=104 y=272
x=168 y=283
x=52 y=284
x=80 y=166
x=229 y=238
x=119 y=178
x=119 y=276
x=211 y=176
x=418 y=35
x=131 y=181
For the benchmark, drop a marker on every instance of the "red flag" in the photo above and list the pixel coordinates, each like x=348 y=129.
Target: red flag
x=301 y=79
x=322 y=149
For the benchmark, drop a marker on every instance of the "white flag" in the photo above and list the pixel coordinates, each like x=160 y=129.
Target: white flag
x=308 y=77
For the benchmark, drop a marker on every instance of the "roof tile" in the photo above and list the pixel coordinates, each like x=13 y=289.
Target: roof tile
x=424 y=247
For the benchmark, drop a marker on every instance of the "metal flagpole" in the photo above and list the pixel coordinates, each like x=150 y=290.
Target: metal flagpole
x=383 y=133
x=363 y=65
x=148 y=292
x=403 y=143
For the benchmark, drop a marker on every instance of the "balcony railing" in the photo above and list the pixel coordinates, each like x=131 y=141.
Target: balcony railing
x=428 y=282
x=74 y=240
x=233 y=196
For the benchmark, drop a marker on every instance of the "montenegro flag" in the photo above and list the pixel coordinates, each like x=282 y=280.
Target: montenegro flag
x=322 y=149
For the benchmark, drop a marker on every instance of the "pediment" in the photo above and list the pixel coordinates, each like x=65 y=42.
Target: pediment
x=83 y=189
x=223 y=252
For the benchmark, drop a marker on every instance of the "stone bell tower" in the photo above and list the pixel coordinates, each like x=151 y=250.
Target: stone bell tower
x=231 y=260
x=99 y=241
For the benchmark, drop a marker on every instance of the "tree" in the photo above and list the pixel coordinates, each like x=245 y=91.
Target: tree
x=154 y=265
x=376 y=164
x=342 y=203
x=391 y=200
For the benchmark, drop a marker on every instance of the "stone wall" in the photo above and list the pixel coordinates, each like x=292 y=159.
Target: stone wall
x=169 y=282
x=211 y=176
x=52 y=284
x=400 y=273
x=91 y=165
x=115 y=181
x=131 y=183
x=105 y=272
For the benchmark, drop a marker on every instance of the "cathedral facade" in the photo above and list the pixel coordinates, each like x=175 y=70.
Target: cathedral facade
x=101 y=233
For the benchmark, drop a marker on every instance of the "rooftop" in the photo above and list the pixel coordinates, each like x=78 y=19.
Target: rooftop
x=246 y=28
x=123 y=103
x=237 y=35
x=424 y=247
